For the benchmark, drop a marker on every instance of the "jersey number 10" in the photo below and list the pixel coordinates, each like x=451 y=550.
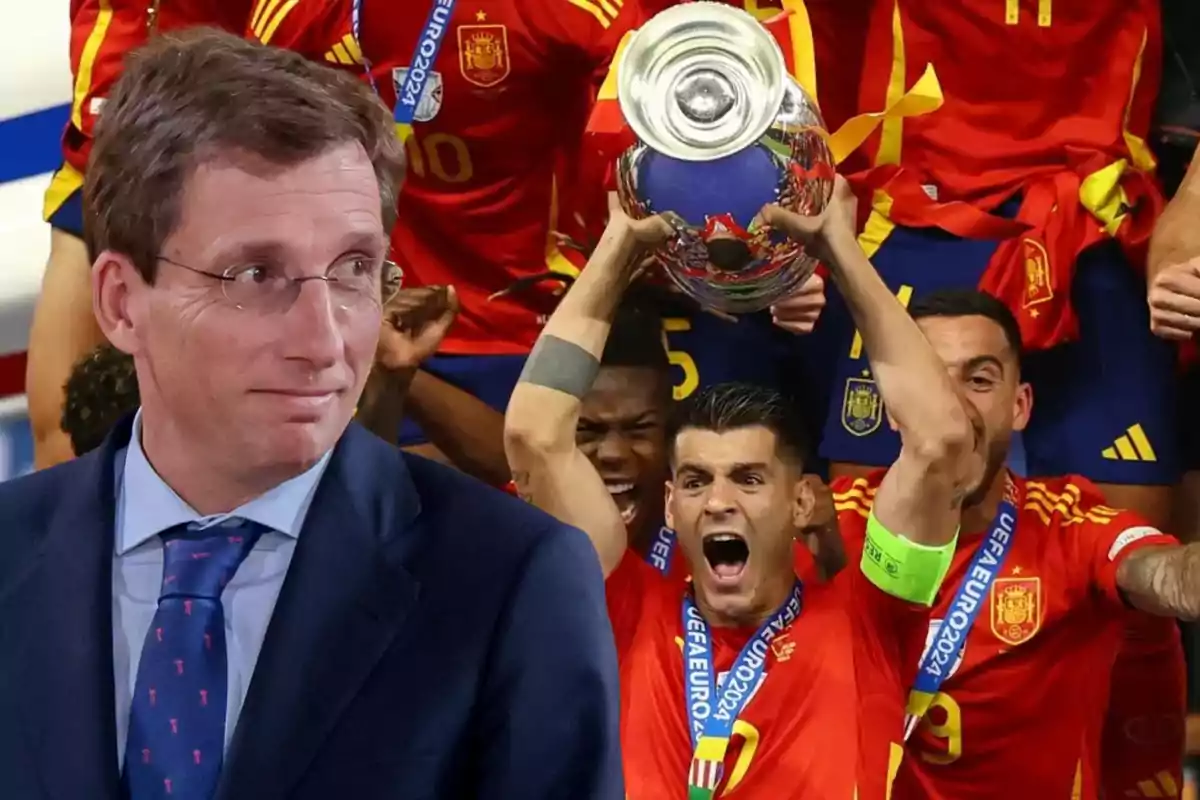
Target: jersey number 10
x=441 y=156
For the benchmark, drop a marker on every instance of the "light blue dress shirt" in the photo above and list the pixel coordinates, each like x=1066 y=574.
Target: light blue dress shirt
x=146 y=507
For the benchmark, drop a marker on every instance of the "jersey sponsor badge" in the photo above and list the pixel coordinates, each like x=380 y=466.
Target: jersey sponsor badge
x=862 y=407
x=1016 y=609
x=431 y=97
x=483 y=54
x=1129 y=536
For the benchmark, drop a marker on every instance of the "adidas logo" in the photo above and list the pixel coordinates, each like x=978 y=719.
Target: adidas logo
x=345 y=52
x=1161 y=785
x=1130 y=446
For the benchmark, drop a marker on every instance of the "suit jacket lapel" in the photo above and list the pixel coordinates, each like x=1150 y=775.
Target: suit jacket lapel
x=341 y=604
x=66 y=604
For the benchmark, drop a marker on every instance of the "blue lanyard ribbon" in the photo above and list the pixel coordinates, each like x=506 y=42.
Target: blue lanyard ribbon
x=662 y=550
x=712 y=713
x=969 y=600
x=420 y=66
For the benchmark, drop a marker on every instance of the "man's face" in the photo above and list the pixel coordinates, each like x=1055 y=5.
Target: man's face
x=735 y=505
x=259 y=389
x=987 y=372
x=621 y=432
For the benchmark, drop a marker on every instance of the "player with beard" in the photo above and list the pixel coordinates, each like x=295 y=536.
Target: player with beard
x=787 y=689
x=1011 y=691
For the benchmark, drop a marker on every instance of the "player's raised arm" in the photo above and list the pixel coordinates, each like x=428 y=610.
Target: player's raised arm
x=916 y=511
x=922 y=493
x=539 y=426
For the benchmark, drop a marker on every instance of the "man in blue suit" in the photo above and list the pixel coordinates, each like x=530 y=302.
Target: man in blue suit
x=241 y=595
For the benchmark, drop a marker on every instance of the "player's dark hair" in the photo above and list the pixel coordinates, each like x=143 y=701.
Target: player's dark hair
x=969 y=303
x=729 y=406
x=201 y=94
x=636 y=338
x=101 y=390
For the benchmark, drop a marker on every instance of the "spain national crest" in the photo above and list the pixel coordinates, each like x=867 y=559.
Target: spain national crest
x=483 y=54
x=1038 y=286
x=862 y=407
x=1016 y=609
x=430 y=102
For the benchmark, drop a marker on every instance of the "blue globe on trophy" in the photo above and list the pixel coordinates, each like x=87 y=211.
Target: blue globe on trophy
x=722 y=130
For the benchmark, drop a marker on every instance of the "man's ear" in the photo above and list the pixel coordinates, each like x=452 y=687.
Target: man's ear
x=668 y=517
x=804 y=504
x=115 y=285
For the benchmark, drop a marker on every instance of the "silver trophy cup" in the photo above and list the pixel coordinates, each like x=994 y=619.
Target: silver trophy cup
x=722 y=130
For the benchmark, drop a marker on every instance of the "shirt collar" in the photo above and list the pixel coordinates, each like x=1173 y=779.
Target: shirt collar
x=147 y=506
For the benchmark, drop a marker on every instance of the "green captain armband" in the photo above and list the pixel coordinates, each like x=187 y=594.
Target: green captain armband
x=907 y=570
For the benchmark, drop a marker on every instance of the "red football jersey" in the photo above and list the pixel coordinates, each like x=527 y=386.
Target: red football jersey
x=509 y=92
x=824 y=722
x=1017 y=715
x=1029 y=87
x=1144 y=728
x=103 y=31
x=1051 y=99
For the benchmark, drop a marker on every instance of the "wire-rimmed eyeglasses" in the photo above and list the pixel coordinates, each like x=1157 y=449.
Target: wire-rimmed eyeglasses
x=353 y=283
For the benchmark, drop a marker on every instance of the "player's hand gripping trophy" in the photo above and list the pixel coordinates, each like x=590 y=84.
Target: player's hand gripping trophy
x=723 y=130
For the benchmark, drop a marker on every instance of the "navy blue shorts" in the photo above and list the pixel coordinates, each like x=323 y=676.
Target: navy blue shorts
x=1104 y=406
x=68 y=216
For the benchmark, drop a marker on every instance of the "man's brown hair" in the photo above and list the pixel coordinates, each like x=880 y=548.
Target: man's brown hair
x=188 y=98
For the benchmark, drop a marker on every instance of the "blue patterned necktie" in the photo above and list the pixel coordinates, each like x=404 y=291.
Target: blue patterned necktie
x=177 y=719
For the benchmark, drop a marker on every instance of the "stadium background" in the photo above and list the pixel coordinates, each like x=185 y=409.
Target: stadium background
x=35 y=97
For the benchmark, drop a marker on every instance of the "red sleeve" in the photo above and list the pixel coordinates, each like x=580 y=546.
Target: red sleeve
x=625 y=589
x=1107 y=537
x=316 y=29
x=889 y=638
x=590 y=28
x=101 y=35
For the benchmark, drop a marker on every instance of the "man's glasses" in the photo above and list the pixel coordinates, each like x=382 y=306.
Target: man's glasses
x=354 y=284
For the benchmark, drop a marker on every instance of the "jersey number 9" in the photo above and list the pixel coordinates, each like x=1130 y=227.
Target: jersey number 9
x=949 y=730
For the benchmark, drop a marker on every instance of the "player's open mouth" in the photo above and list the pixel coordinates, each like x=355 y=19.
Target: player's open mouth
x=624 y=494
x=727 y=554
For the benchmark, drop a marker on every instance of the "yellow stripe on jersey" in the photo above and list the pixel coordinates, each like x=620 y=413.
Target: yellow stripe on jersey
x=895 y=757
x=65 y=183
x=861 y=489
x=1066 y=505
x=262 y=10
x=858 y=498
x=605 y=11
x=87 y=61
x=351 y=45
x=338 y=55
x=892 y=136
x=345 y=52
x=274 y=21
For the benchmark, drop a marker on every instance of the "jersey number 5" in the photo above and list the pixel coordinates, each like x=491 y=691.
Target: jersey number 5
x=679 y=358
x=950 y=729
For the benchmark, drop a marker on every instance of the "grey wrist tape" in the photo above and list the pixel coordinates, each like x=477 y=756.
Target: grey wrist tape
x=558 y=364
